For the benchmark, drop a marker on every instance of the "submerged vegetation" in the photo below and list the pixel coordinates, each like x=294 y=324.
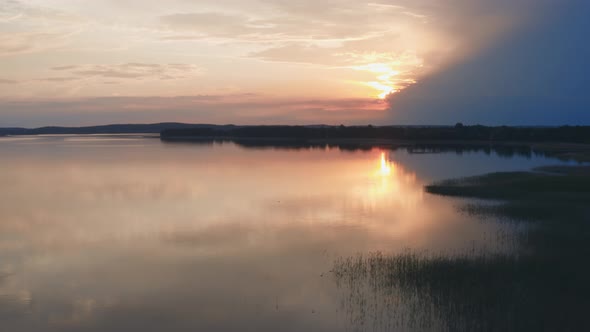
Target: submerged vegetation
x=543 y=286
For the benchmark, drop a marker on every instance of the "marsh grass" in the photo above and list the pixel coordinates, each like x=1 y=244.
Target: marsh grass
x=544 y=286
x=421 y=292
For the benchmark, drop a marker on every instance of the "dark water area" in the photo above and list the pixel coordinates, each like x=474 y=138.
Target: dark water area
x=128 y=233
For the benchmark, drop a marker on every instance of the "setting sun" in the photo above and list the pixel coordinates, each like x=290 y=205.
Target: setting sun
x=384 y=89
x=386 y=82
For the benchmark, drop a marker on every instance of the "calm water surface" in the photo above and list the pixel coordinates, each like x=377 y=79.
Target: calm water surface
x=124 y=233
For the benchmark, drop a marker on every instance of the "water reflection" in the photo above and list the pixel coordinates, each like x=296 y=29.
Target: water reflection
x=133 y=234
x=385 y=169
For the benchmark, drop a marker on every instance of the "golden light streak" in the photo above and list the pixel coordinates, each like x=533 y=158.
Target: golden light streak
x=392 y=72
x=385 y=84
x=385 y=169
x=387 y=182
x=383 y=88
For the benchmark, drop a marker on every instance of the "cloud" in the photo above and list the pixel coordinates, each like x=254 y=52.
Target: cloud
x=220 y=109
x=427 y=35
x=63 y=67
x=33 y=29
x=15 y=43
x=537 y=74
x=387 y=71
x=342 y=47
x=135 y=71
x=300 y=21
x=181 y=38
x=59 y=79
x=214 y=24
x=12 y=10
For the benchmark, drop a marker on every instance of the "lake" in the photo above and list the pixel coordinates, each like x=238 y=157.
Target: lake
x=128 y=233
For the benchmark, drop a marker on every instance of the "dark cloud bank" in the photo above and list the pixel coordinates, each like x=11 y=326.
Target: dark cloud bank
x=536 y=75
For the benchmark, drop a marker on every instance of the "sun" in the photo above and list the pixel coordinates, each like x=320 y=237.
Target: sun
x=383 y=89
x=385 y=80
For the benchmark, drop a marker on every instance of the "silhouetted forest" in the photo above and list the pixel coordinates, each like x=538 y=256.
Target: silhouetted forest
x=567 y=134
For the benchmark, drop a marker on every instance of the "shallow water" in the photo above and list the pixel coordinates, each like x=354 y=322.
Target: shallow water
x=122 y=233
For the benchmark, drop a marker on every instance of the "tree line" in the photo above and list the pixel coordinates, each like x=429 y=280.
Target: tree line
x=569 y=134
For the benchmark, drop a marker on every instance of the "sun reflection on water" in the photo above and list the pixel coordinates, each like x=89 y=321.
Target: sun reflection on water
x=385 y=166
x=389 y=184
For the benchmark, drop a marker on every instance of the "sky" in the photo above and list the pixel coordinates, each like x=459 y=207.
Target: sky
x=81 y=62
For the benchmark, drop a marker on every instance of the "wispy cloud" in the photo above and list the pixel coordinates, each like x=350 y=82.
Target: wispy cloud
x=30 y=42
x=7 y=81
x=13 y=10
x=136 y=71
x=32 y=29
x=59 y=79
x=313 y=22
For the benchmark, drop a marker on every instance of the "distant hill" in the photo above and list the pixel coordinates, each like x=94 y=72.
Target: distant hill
x=154 y=128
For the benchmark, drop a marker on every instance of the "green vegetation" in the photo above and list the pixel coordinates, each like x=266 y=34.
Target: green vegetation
x=543 y=286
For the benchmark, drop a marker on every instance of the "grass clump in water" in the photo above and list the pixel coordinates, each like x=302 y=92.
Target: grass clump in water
x=562 y=196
